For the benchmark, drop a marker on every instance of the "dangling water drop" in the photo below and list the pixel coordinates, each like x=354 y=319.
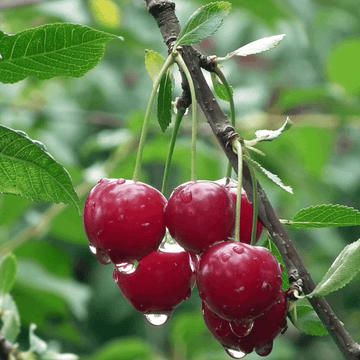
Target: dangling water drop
x=170 y=245
x=241 y=328
x=157 y=319
x=92 y=249
x=235 y=354
x=103 y=257
x=264 y=350
x=126 y=268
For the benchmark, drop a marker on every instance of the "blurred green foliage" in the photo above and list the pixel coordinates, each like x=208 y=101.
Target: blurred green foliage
x=313 y=77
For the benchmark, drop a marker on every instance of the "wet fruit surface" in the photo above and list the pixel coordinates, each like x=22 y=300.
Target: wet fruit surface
x=199 y=214
x=124 y=218
x=238 y=281
x=161 y=281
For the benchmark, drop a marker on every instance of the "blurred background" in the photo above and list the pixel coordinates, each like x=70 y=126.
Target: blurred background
x=91 y=126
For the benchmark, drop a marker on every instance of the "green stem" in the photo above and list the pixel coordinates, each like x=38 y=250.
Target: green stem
x=169 y=61
x=237 y=147
x=255 y=206
x=179 y=116
x=222 y=77
x=179 y=60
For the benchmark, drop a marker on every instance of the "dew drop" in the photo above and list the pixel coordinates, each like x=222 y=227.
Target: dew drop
x=145 y=225
x=157 y=319
x=170 y=245
x=266 y=286
x=264 y=350
x=241 y=328
x=103 y=257
x=92 y=249
x=115 y=276
x=121 y=217
x=235 y=354
x=126 y=268
x=121 y=181
x=240 y=289
x=186 y=195
x=103 y=181
x=93 y=205
x=238 y=249
x=225 y=257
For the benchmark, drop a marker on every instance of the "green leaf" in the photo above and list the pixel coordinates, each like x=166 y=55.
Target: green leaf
x=153 y=63
x=8 y=272
x=341 y=272
x=321 y=216
x=268 y=244
x=258 y=46
x=51 y=50
x=203 y=23
x=269 y=174
x=307 y=321
x=164 y=106
x=26 y=169
x=75 y=294
x=220 y=89
x=10 y=318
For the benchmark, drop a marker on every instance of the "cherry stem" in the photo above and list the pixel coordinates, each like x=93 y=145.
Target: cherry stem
x=169 y=61
x=255 y=206
x=179 y=116
x=222 y=77
x=237 y=147
x=179 y=60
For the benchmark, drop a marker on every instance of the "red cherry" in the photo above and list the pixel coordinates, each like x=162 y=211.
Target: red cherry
x=265 y=329
x=238 y=281
x=125 y=219
x=199 y=214
x=161 y=281
x=246 y=213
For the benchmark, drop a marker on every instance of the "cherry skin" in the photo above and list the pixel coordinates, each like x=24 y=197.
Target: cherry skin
x=238 y=281
x=161 y=281
x=246 y=212
x=265 y=329
x=125 y=219
x=199 y=214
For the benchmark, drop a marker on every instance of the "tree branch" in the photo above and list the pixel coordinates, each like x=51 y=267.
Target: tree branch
x=164 y=13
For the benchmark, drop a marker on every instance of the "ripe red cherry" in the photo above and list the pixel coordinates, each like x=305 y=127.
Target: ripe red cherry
x=265 y=329
x=246 y=213
x=199 y=214
x=238 y=281
x=124 y=218
x=161 y=281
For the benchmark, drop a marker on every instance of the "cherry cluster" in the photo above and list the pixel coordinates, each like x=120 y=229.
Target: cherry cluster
x=162 y=248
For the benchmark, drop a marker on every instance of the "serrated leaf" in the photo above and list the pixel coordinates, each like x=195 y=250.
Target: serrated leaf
x=26 y=169
x=220 y=89
x=51 y=50
x=203 y=23
x=341 y=272
x=153 y=64
x=164 y=105
x=268 y=244
x=10 y=318
x=307 y=321
x=8 y=272
x=269 y=135
x=269 y=174
x=258 y=46
x=321 y=216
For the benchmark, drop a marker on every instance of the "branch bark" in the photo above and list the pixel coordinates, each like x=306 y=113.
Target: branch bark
x=164 y=13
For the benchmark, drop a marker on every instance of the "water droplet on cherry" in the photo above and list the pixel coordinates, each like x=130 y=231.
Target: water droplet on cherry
x=235 y=354
x=115 y=276
x=103 y=257
x=121 y=181
x=157 y=319
x=264 y=350
x=170 y=245
x=186 y=195
x=266 y=286
x=241 y=328
x=225 y=257
x=238 y=249
x=240 y=289
x=92 y=249
x=126 y=268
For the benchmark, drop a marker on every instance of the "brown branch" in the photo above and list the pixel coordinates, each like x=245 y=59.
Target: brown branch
x=8 y=4
x=164 y=13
